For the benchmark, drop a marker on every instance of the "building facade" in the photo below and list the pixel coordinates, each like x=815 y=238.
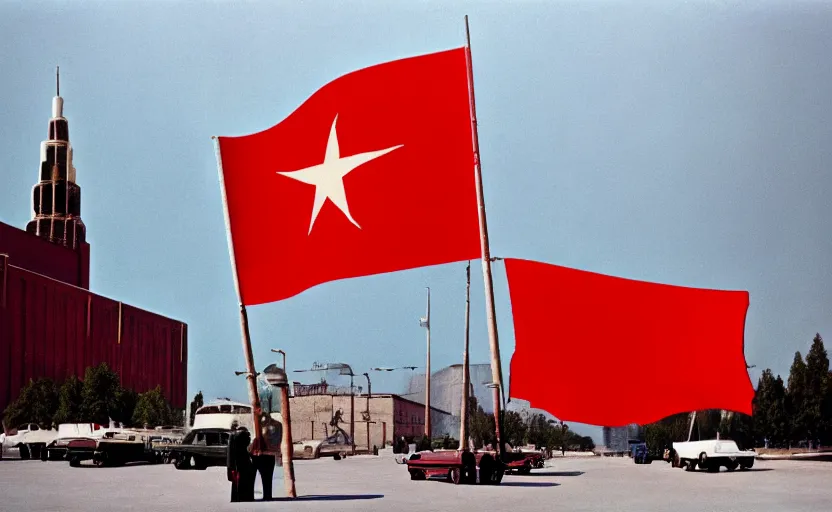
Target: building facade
x=379 y=418
x=51 y=325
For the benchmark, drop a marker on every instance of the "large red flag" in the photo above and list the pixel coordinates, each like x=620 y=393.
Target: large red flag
x=372 y=174
x=609 y=351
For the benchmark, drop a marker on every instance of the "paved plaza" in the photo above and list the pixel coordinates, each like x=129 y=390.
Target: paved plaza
x=373 y=483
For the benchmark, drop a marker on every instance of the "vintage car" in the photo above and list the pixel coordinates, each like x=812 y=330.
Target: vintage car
x=30 y=440
x=711 y=455
x=457 y=466
x=200 y=448
x=337 y=446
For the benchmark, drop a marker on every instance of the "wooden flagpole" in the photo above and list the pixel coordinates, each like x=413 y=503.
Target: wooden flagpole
x=491 y=316
x=466 y=376
x=258 y=440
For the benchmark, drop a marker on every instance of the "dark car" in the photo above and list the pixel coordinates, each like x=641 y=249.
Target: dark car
x=201 y=448
x=641 y=455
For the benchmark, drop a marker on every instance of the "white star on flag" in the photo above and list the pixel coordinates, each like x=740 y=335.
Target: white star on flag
x=328 y=177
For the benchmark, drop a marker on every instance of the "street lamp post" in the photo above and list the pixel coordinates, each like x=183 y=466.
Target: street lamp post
x=277 y=378
x=390 y=369
x=367 y=413
x=278 y=351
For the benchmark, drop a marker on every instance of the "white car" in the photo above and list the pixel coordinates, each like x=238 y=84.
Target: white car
x=711 y=455
x=30 y=440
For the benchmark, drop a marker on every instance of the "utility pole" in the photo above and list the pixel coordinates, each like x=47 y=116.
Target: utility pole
x=466 y=376
x=425 y=322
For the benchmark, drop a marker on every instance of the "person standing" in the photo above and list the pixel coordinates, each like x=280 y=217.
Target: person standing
x=264 y=464
x=240 y=469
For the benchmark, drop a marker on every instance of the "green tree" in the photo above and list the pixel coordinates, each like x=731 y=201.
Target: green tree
x=480 y=424
x=796 y=400
x=770 y=420
x=99 y=396
x=738 y=427
x=538 y=431
x=514 y=428
x=69 y=401
x=151 y=409
x=817 y=382
x=125 y=406
x=585 y=443
x=37 y=403
x=196 y=404
x=663 y=433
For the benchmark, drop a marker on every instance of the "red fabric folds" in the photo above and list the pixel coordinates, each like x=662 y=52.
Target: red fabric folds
x=609 y=351
x=400 y=133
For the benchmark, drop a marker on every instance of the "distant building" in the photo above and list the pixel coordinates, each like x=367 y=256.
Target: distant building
x=51 y=325
x=446 y=388
x=617 y=439
x=387 y=418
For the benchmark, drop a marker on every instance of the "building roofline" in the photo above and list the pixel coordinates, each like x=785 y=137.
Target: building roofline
x=380 y=395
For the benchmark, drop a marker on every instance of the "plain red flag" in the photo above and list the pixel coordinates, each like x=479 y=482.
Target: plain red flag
x=609 y=351
x=373 y=173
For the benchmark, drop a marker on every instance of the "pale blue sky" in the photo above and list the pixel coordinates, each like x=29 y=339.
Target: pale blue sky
x=685 y=143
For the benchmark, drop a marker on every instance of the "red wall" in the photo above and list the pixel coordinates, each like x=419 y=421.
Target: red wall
x=51 y=329
x=43 y=257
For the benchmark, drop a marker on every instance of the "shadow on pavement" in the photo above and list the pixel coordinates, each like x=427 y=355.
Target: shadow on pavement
x=332 y=497
x=736 y=472
x=555 y=473
x=528 y=484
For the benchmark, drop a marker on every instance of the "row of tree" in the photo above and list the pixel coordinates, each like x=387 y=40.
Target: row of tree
x=795 y=413
x=525 y=428
x=97 y=399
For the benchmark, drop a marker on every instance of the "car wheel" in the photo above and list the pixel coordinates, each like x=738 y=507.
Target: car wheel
x=486 y=468
x=455 y=476
x=182 y=462
x=24 y=452
x=417 y=474
x=469 y=468
x=497 y=475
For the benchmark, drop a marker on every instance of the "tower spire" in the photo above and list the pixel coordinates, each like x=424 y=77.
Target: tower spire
x=56 y=198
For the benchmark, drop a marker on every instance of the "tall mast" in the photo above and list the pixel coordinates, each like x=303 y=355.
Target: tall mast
x=466 y=377
x=425 y=322
x=490 y=312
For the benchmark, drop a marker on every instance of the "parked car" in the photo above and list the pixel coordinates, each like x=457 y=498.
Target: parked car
x=711 y=455
x=30 y=439
x=641 y=455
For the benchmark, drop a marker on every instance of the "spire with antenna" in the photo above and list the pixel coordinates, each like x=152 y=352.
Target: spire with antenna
x=56 y=197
